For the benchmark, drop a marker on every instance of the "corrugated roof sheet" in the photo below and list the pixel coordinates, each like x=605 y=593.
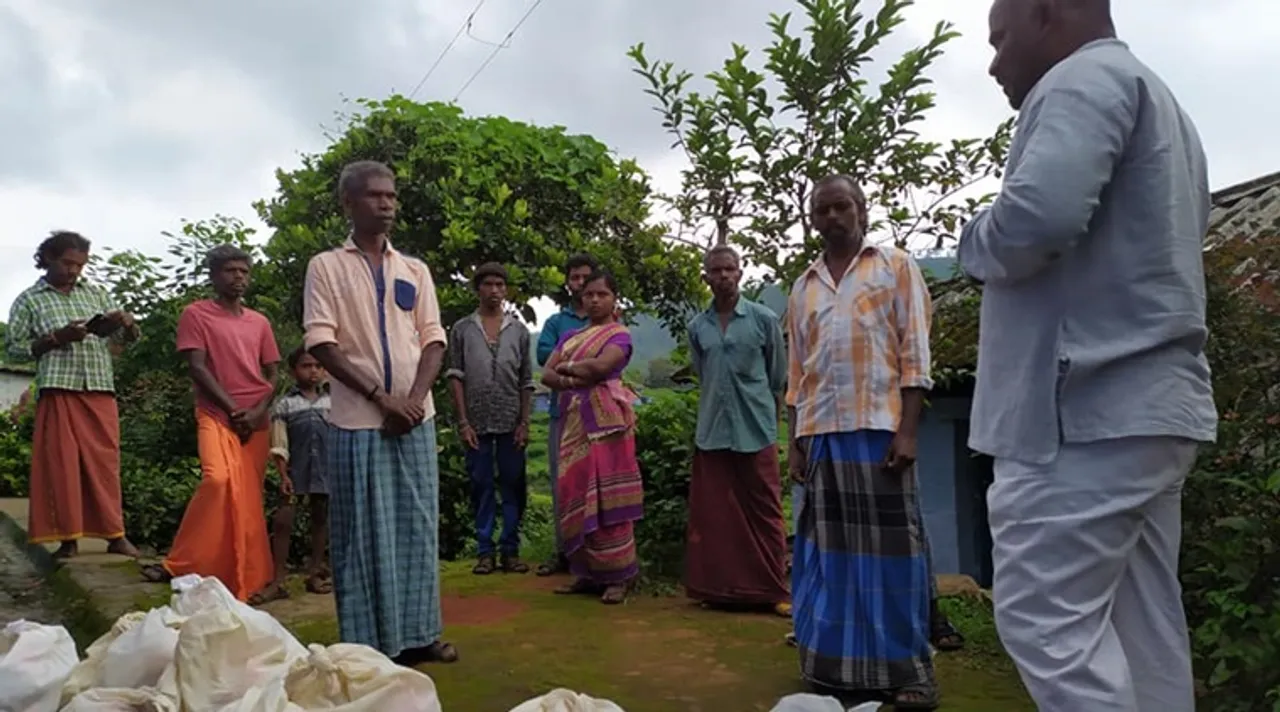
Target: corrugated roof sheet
x=1246 y=210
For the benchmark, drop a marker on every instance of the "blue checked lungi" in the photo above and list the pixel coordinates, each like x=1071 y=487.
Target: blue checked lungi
x=383 y=518
x=860 y=570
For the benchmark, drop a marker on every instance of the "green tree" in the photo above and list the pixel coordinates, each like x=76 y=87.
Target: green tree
x=474 y=190
x=757 y=140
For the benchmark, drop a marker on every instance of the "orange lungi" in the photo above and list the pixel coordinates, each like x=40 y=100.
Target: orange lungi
x=224 y=530
x=75 y=468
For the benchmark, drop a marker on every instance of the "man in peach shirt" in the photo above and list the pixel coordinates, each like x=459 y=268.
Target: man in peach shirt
x=372 y=320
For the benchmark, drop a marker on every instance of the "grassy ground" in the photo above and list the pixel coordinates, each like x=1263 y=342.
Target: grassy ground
x=517 y=640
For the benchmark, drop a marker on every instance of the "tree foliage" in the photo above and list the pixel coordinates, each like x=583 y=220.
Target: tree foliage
x=757 y=139
x=474 y=190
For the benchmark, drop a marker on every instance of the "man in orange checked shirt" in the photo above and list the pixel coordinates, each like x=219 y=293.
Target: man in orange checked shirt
x=858 y=322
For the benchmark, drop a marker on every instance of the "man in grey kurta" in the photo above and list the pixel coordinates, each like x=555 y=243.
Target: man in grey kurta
x=1093 y=388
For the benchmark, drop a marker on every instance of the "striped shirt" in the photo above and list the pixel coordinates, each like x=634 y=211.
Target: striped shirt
x=299 y=426
x=41 y=310
x=854 y=345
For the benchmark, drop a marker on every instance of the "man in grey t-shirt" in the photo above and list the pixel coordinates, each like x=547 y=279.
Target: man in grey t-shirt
x=491 y=378
x=1093 y=388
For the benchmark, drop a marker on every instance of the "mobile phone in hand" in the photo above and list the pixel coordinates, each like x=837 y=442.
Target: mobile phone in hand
x=101 y=326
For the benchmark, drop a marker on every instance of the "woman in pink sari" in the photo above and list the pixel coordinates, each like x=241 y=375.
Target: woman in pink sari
x=599 y=491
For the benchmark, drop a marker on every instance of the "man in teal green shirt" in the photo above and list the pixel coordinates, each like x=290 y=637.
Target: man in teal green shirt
x=736 y=550
x=570 y=318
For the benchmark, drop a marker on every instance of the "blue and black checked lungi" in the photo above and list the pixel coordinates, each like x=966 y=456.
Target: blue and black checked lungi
x=383 y=518
x=860 y=574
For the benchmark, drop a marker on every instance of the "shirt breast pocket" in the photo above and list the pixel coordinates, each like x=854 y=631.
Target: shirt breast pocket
x=745 y=358
x=873 y=305
x=405 y=293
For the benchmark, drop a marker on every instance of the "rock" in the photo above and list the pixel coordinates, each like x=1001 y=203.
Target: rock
x=957 y=586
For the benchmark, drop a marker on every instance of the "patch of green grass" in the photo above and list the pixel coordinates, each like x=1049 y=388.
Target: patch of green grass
x=654 y=654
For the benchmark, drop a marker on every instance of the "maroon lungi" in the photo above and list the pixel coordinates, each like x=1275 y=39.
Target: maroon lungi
x=736 y=546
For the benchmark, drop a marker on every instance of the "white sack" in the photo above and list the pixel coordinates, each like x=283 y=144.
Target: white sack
x=807 y=702
x=562 y=700
x=139 y=657
x=104 y=699
x=225 y=648
x=356 y=678
x=35 y=661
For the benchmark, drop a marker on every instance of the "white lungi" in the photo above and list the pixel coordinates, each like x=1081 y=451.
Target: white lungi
x=1086 y=589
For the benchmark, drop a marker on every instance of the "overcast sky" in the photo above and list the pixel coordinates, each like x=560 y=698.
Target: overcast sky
x=122 y=118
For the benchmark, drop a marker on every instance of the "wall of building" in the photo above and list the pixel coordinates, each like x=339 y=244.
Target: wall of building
x=953 y=491
x=11 y=387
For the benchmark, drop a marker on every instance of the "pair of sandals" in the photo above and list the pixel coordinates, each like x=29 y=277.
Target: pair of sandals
x=508 y=564
x=320 y=582
x=610 y=595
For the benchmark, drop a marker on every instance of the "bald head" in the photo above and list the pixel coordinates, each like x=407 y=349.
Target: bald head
x=1031 y=36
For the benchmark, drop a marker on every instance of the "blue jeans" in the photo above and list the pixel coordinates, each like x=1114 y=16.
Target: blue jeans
x=553 y=469
x=497 y=452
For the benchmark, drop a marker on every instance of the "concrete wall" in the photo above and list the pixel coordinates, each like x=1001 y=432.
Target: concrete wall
x=11 y=387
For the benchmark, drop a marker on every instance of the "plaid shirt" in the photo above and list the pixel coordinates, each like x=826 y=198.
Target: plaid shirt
x=41 y=310
x=855 y=344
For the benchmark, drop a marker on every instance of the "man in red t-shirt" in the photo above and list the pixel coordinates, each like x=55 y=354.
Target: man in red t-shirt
x=232 y=356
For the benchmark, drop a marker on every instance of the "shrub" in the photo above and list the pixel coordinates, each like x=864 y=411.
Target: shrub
x=15 y=453
x=664 y=446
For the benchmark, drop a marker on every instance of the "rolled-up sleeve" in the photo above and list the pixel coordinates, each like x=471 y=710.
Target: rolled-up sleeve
x=526 y=361
x=457 y=354
x=1072 y=138
x=319 y=310
x=427 y=315
x=279 y=436
x=913 y=310
x=775 y=354
x=20 y=333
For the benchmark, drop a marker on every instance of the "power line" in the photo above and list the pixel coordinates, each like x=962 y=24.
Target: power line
x=506 y=41
x=466 y=24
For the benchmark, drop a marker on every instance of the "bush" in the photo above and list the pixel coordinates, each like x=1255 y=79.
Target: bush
x=155 y=498
x=15 y=452
x=664 y=446
x=1231 y=557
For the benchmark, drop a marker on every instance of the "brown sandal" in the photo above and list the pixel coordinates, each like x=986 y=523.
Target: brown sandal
x=615 y=594
x=513 y=565
x=155 y=573
x=272 y=592
x=319 y=584
x=484 y=566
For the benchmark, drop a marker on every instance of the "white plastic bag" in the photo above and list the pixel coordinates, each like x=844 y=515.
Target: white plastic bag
x=225 y=648
x=806 y=702
x=562 y=700
x=267 y=697
x=138 y=658
x=357 y=678
x=193 y=594
x=87 y=672
x=104 y=699
x=35 y=661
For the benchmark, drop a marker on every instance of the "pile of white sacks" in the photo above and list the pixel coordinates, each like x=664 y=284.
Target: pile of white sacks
x=208 y=652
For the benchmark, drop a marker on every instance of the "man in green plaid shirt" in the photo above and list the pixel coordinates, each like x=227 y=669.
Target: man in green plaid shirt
x=66 y=326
